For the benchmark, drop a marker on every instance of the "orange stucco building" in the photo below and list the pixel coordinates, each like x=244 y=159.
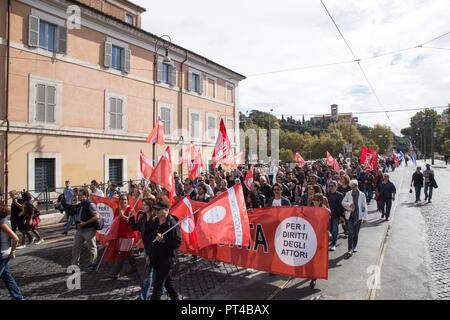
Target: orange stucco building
x=84 y=87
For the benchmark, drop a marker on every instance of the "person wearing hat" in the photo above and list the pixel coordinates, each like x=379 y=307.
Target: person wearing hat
x=163 y=248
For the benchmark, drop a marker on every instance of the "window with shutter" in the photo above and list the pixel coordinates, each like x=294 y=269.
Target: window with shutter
x=44 y=174
x=116 y=57
x=108 y=54
x=62 y=39
x=212 y=128
x=45 y=103
x=33 y=31
x=195 y=125
x=127 y=61
x=116 y=114
x=165 y=118
x=165 y=71
x=47 y=35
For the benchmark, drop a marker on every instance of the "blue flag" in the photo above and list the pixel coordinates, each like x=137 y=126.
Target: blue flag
x=413 y=160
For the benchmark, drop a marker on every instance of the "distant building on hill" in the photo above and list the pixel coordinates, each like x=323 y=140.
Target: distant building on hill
x=335 y=116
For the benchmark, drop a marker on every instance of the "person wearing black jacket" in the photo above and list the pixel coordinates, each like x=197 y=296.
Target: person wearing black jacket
x=387 y=195
x=163 y=249
x=144 y=222
x=417 y=179
x=335 y=202
x=265 y=189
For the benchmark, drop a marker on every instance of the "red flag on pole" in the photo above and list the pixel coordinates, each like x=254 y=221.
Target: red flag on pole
x=222 y=149
x=395 y=160
x=189 y=154
x=249 y=178
x=369 y=158
x=146 y=167
x=234 y=160
x=163 y=174
x=299 y=159
x=194 y=168
x=157 y=134
x=224 y=220
x=330 y=159
x=336 y=166
x=182 y=210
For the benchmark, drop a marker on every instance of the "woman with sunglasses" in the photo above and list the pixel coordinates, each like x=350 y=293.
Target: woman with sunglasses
x=278 y=200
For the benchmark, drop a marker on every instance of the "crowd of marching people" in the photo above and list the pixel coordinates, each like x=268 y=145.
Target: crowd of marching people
x=345 y=193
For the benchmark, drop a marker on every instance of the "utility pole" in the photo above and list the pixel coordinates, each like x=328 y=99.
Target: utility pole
x=432 y=140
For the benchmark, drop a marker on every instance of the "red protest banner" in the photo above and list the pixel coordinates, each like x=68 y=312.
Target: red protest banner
x=291 y=241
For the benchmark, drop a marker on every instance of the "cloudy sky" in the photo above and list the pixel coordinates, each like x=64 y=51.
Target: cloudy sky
x=297 y=63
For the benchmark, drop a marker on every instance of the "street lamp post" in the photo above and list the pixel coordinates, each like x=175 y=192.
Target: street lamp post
x=164 y=44
x=270 y=144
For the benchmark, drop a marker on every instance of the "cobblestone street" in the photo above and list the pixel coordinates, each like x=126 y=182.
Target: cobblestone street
x=437 y=217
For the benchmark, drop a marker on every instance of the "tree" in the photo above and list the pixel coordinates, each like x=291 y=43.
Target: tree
x=401 y=143
x=355 y=137
x=420 y=133
x=286 y=155
x=383 y=137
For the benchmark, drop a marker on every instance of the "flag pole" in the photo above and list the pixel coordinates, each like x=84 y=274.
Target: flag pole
x=179 y=222
x=103 y=255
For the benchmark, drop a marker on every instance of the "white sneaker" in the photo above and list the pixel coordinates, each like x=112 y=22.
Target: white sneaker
x=355 y=250
x=21 y=247
x=333 y=248
x=40 y=241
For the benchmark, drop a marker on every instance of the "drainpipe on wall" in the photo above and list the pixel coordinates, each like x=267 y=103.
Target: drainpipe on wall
x=7 y=101
x=180 y=109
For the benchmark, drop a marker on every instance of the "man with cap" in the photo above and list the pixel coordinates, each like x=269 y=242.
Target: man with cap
x=162 y=251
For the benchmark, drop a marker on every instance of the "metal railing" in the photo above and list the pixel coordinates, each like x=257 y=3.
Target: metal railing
x=45 y=200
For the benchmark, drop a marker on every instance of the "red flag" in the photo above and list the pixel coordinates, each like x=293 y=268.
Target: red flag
x=330 y=159
x=194 y=168
x=157 y=134
x=249 y=178
x=224 y=220
x=163 y=174
x=299 y=158
x=146 y=166
x=234 y=160
x=182 y=210
x=222 y=149
x=395 y=160
x=336 y=166
x=188 y=155
x=369 y=158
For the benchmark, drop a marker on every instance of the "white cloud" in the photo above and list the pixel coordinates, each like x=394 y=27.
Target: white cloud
x=252 y=37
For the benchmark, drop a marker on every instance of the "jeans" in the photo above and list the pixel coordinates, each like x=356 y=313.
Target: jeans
x=9 y=281
x=353 y=232
x=70 y=220
x=334 y=229
x=428 y=190
x=417 y=188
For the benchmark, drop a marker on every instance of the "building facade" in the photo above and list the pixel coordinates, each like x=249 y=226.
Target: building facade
x=335 y=116
x=83 y=88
